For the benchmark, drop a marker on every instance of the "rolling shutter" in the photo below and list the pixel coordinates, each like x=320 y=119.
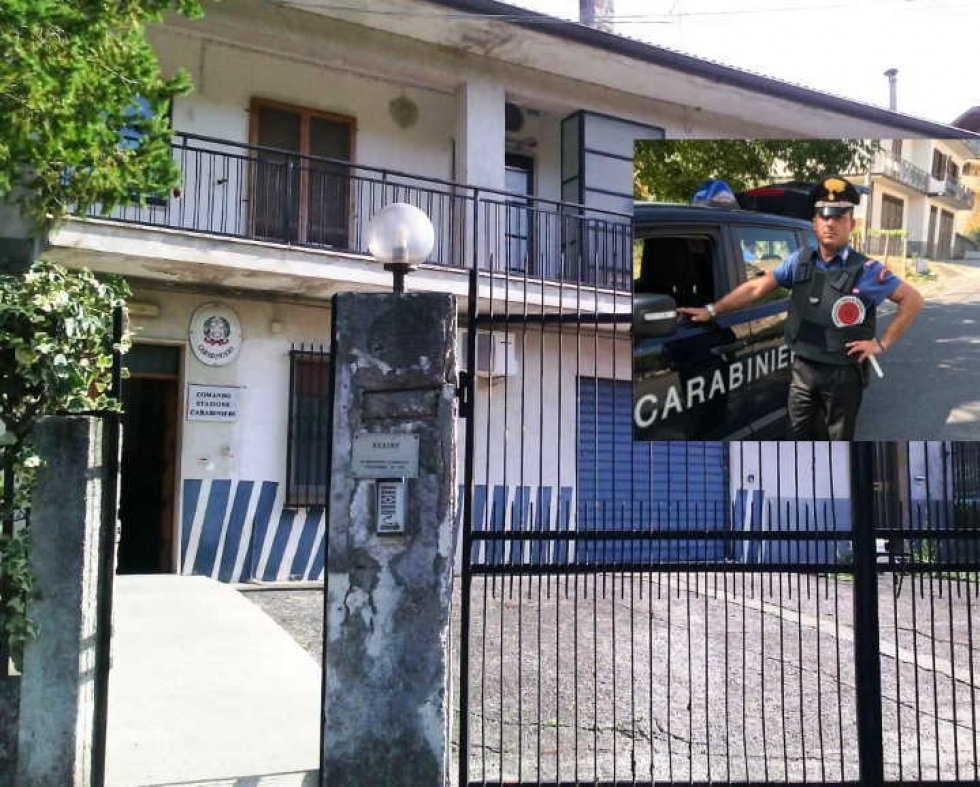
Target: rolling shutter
x=643 y=486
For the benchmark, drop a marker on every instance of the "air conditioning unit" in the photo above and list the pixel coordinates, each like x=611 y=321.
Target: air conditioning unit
x=496 y=354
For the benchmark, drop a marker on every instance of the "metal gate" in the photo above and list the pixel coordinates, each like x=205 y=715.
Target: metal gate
x=815 y=625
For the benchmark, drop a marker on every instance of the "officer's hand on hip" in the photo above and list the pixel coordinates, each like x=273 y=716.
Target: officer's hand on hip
x=863 y=349
x=695 y=314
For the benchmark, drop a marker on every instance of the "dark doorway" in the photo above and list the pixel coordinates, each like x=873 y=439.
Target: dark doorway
x=519 y=179
x=149 y=454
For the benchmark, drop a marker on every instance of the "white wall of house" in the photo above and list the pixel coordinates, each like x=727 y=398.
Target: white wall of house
x=331 y=48
x=816 y=476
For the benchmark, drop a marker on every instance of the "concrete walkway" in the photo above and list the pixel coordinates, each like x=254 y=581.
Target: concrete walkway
x=206 y=689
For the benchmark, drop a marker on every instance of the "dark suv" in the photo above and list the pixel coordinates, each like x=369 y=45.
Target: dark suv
x=727 y=379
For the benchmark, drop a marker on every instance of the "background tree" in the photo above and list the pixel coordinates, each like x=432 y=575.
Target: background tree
x=671 y=170
x=76 y=77
x=84 y=121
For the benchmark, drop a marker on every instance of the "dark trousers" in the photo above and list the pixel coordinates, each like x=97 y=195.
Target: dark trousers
x=824 y=400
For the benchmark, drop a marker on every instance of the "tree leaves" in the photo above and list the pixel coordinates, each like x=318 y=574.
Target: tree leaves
x=671 y=170
x=55 y=327
x=70 y=74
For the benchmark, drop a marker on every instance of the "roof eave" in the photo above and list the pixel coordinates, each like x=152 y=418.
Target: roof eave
x=688 y=64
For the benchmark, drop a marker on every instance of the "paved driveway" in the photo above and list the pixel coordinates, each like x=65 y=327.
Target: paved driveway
x=694 y=677
x=206 y=690
x=931 y=387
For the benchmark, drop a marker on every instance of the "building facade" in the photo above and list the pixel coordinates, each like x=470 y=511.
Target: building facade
x=920 y=197
x=307 y=119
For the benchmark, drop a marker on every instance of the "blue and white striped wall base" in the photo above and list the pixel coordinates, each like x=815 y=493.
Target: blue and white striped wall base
x=236 y=531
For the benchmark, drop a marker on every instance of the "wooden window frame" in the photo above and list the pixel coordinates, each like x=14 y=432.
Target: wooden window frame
x=305 y=114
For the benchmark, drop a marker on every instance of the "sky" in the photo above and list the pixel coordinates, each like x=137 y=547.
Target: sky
x=835 y=46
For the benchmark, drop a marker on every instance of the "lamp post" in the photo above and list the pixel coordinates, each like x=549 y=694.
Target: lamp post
x=402 y=237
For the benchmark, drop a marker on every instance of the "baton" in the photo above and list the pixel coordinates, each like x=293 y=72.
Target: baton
x=876 y=365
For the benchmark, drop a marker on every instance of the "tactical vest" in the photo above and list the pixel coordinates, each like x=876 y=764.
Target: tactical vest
x=810 y=329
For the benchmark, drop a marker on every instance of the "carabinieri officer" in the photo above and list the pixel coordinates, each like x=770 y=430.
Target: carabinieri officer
x=830 y=327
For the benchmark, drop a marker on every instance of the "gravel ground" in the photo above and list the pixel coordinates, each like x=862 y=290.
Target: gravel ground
x=300 y=612
x=688 y=677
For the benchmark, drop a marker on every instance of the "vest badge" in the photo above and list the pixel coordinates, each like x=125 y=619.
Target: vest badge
x=847 y=311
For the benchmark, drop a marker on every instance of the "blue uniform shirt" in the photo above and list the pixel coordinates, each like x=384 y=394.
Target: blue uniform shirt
x=875 y=282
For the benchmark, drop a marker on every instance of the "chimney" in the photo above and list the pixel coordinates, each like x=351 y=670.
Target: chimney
x=596 y=13
x=892 y=74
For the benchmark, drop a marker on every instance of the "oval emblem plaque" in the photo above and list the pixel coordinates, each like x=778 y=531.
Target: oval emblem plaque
x=215 y=334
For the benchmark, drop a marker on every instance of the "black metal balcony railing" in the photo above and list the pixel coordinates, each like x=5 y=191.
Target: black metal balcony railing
x=900 y=170
x=235 y=190
x=953 y=190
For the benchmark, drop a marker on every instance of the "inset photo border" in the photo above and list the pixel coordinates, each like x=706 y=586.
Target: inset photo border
x=806 y=289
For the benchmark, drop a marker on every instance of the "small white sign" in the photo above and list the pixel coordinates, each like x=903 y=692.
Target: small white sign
x=391 y=507
x=385 y=456
x=212 y=402
x=215 y=334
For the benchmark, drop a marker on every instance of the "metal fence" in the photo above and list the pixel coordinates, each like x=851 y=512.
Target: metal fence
x=824 y=633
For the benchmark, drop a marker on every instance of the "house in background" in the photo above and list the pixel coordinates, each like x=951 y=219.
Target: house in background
x=918 y=185
x=515 y=133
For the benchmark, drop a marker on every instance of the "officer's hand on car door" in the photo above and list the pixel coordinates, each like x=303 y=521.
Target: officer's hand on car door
x=695 y=313
x=863 y=349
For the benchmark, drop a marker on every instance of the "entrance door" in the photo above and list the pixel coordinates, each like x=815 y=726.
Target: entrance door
x=643 y=486
x=149 y=458
x=944 y=245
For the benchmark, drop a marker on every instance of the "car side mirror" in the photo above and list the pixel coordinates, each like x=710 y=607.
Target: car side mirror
x=654 y=314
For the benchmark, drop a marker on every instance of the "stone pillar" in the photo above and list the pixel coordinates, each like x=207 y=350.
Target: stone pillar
x=57 y=707
x=386 y=688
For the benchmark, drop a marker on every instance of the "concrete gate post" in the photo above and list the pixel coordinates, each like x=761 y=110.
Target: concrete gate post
x=386 y=697
x=57 y=740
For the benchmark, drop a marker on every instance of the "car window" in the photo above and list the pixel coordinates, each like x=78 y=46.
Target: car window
x=682 y=266
x=762 y=249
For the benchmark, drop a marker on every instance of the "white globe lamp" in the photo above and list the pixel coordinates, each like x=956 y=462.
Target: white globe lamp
x=402 y=237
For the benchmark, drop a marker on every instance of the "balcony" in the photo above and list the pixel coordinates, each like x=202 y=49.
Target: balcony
x=236 y=191
x=951 y=193
x=900 y=170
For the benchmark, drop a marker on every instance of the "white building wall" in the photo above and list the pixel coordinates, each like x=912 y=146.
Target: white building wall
x=919 y=152
x=820 y=471
x=812 y=477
